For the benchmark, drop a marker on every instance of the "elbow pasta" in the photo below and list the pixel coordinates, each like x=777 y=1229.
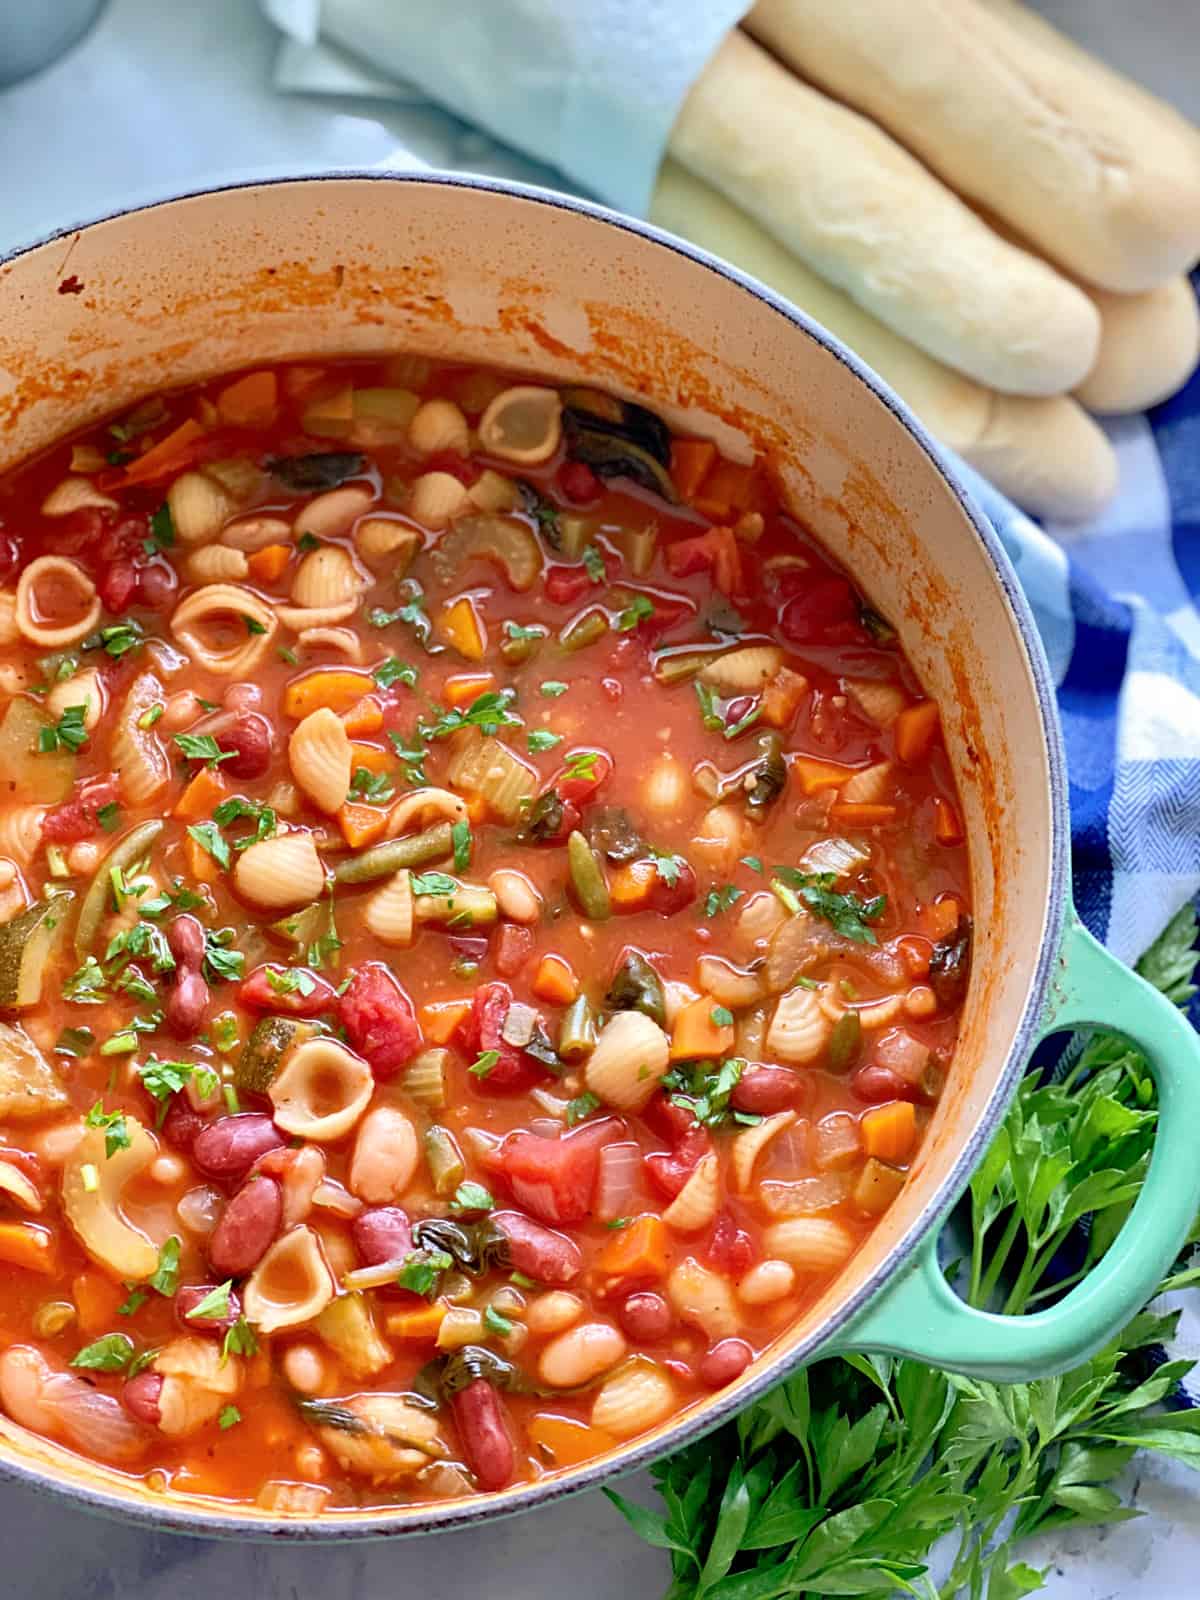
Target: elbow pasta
x=470 y=925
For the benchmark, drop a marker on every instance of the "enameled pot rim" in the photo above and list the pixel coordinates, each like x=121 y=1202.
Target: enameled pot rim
x=465 y=1513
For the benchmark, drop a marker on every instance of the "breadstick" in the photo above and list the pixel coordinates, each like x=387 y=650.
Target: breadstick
x=1047 y=454
x=1149 y=347
x=844 y=196
x=1097 y=174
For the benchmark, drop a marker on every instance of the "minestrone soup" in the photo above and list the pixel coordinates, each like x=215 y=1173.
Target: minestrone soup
x=483 y=925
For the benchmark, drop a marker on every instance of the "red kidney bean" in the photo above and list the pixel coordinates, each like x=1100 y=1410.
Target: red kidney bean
x=252 y=742
x=117 y=584
x=140 y=1397
x=190 y=1296
x=247 y=1228
x=724 y=1361
x=537 y=1251
x=483 y=1429
x=645 y=1316
x=875 y=1083
x=229 y=1147
x=156 y=586
x=181 y=1124
x=764 y=1090
x=189 y=996
x=381 y=1233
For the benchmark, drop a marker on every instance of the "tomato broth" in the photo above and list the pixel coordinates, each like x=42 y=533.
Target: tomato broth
x=484 y=918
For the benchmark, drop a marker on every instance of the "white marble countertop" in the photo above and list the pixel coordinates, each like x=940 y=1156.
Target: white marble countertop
x=163 y=97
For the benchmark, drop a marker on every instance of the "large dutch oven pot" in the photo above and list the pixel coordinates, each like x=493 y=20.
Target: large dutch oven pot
x=481 y=271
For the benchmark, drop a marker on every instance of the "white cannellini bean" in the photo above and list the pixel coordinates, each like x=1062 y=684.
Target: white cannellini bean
x=304 y=1368
x=767 y=1282
x=84 y=857
x=517 y=898
x=385 y=1156
x=580 y=1353
x=167 y=1168
x=552 y=1312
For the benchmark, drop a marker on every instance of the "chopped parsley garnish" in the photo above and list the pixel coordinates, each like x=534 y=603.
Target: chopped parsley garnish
x=289 y=656
x=483 y=1063
x=116 y=1130
x=517 y=632
x=150 y=716
x=393 y=670
x=667 y=867
x=225 y=1032
x=292 y=980
x=253 y=625
x=461 y=838
x=203 y=747
x=471 y=1197
x=593 y=560
x=721 y=1017
x=488 y=712
x=703 y=1088
x=618 y=1222
x=753 y=862
x=414 y=758
x=552 y=688
x=581 y=764
x=75 y=1042
x=638 y=610
x=307 y=542
x=582 y=1106
x=849 y=914
x=237 y=807
x=439 y=885
x=542 y=739
x=164 y=1279
x=710 y=717
x=239 y=1341
x=162 y=1079
x=721 y=899
x=422 y=1271
x=208 y=836
x=113 y=1353
x=374 y=787
x=228 y=1417
x=118 y=639
x=135 y=984
x=411 y=613
x=162 y=531
x=109 y=817
x=86 y=985
x=215 y=1303
x=142 y=941
x=326 y=945
x=220 y=961
x=68 y=733
x=137 y=1299
x=494 y=1322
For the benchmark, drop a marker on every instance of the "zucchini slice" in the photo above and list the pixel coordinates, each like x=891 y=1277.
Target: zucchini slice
x=264 y=1052
x=28 y=945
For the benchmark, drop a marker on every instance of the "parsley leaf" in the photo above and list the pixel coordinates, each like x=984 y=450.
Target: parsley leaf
x=721 y=899
x=411 y=613
x=483 y=1063
x=721 y=1017
x=710 y=717
x=638 y=610
x=542 y=739
x=162 y=531
x=109 y=817
x=582 y=1106
x=68 y=733
x=220 y=961
x=593 y=561
x=118 y=639
x=439 y=885
x=164 y=1279
x=471 y=1197
x=753 y=862
x=215 y=1303
x=489 y=712
x=422 y=1271
x=461 y=837
x=581 y=764
x=239 y=1340
x=203 y=747
x=113 y=1353
x=414 y=758
x=553 y=687
x=86 y=985
x=75 y=1042
x=849 y=914
x=208 y=836
x=667 y=867
x=393 y=670
x=292 y=980
x=495 y=1322
x=238 y=807
x=116 y=1131
x=228 y=1417
x=703 y=1088
x=162 y=1079
x=373 y=787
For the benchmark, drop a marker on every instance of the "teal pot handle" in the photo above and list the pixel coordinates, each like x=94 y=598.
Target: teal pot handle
x=919 y=1315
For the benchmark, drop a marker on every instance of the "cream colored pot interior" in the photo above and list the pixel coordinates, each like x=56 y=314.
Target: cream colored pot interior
x=164 y=296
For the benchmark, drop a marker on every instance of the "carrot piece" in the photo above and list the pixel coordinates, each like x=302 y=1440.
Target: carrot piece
x=460 y=627
x=250 y=402
x=942 y=917
x=205 y=792
x=888 y=1131
x=96 y=1301
x=336 y=687
x=631 y=886
x=862 y=813
x=364 y=716
x=269 y=563
x=915 y=952
x=638 y=1251
x=691 y=460
x=714 y=510
x=947 y=824
x=731 y=485
x=814 y=775
x=466 y=686
x=915 y=728
x=782 y=697
x=440 y=1020
x=696 y=1034
x=25 y=1244
x=371 y=756
x=555 y=981
x=167 y=456
x=565 y=1441
x=422 y=1324
x=360 y=824
x=478 y=809
x=200 y=865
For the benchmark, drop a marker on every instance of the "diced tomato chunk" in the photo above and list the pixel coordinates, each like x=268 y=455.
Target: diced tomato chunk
x=828 y=611
x=512 y=948
x=482 y=1032
x=668 y=1120
x=379 y=1020
x=730 y=1249
x=577 y=783
x=578 y=482
x=117 y=585
x=293 y=991
x=565 y=585
x=555 y=1179
x=75 y=819
x=716 y=551
x=669 y=1173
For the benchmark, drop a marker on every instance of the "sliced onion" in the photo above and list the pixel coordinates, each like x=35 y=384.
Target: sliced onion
x=806 y=1195
x=199 y=1209
x=93 y=1421
x=620 y=1170
x=906 y=1056
x=329 y=1195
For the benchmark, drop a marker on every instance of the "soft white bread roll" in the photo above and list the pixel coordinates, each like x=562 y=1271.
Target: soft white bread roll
x=1098 y=174
x=1149 y=347
x=1047 y=454
x=844 y=196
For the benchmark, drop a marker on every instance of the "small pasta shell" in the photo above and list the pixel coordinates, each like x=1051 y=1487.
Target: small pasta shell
x=666 y=787
x=199 y=506
x=636 y=1396
x=21 y=832
x=137 y=753
x=292 y=1284
x=810 y=1244
x=750 y=1143
x=85 y=689
x=729 y=985
x=420 y=806
x=280 y=874
x=332 y=513
x=320 y=757
x=321 y=1091
x=202 y=621
x=342 y=641
x=879 y=1013
x=799 y=1029
x=74 y=494
x=439 y=425
x=676 y=995
x=631 y=1056
x=743 y=671
x=383 y=539
x=55 y=571
x=389 y=911
x=300 y=619
x=703 y=1299
x=695 y=1206
x=9 y=631
x=492 y=491
x=882 y=702
x=212 y=563
x=256 y=533
x=326 y=577
x=522 y=424
x=435 y=499
x=869 y=785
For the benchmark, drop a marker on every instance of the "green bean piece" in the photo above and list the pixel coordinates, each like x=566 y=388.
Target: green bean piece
x=577 y=1036
x=584 y=630
x=587 y=876
x=844 y=1041
x=131 y=847
x=637 y=987
x=381 y=860
x=444 y=1159
x=677 y=666
x=462 y=905
x=770 y=776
